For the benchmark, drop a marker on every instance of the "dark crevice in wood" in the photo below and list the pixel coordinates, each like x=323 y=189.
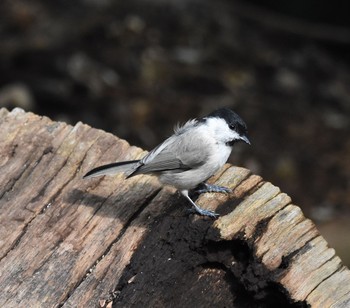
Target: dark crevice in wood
x=277 y=296
x=17 y=241
x=13 y=181
x=239 y=293
x=254 y=188
x=127 y=224
x=255 y=279
x=286 y=260
x=261 y=228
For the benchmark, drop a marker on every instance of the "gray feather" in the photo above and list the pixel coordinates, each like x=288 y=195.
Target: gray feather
x=177 y=153
x=113 y=168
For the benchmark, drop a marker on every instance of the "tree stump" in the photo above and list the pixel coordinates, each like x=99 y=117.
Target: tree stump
x=69 y=242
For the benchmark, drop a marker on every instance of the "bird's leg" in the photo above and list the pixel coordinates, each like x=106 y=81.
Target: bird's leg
x=204 y=188
x=197 y=209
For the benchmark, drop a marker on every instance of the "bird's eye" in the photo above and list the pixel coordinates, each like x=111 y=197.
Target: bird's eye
x=232 y=126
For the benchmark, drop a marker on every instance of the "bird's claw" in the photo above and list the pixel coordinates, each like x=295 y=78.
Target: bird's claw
x=203 y=212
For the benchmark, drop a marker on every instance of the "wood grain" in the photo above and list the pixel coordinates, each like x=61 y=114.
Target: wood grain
x=69 y=242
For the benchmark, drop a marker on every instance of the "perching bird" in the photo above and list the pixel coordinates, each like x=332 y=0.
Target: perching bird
x=195 y=152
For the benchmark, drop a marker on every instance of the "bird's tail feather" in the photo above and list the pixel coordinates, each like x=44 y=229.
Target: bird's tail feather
x=111 y=169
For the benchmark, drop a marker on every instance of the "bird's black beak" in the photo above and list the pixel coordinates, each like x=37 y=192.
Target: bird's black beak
x=245 y=139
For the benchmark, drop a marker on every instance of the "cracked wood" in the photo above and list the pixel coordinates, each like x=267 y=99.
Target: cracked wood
x=68 y=242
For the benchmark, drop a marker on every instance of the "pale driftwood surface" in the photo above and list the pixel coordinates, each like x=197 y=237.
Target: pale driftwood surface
x=69 y=242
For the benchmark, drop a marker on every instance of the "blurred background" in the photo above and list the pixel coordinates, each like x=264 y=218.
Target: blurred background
x=136 y=68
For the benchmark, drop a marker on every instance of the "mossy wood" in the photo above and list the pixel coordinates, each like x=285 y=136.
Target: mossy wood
x=69 y=242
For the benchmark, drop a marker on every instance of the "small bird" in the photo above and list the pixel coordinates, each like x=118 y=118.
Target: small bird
x=195 y=152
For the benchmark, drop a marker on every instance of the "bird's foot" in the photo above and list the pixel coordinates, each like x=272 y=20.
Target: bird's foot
x=197 y=210
x=204 y=188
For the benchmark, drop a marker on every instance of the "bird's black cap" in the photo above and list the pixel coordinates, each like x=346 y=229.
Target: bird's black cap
x=231 y=118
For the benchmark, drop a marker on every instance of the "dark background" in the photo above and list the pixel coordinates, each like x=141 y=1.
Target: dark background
x=136 y=68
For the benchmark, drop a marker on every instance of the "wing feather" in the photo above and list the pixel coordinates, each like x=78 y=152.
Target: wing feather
x=177 y=153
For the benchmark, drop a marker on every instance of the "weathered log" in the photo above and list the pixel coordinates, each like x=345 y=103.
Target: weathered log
x=69 y=242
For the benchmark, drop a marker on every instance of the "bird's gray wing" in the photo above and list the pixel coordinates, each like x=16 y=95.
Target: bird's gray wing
x=172 y=155
x=163 y=162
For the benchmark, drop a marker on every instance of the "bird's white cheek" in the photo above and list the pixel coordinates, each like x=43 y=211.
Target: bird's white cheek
x=234 y=136
x=227 y=135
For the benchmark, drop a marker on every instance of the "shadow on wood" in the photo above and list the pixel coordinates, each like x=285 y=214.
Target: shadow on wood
x=69 y=242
